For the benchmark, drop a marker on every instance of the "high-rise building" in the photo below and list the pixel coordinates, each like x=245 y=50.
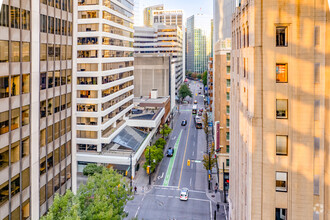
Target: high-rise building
x=104 y=78
x=148 y=14
x=221 y=85
x=162 y=39
x=168 y=17
x=198 y=43
x=280 y=112
x=36 y=159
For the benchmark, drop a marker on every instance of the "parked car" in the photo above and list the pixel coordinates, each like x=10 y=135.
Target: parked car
x=170 y=152
x=136 y=111
x=184 y=194
x=184 y=123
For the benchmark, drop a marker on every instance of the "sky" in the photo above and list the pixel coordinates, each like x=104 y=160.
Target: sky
x=190 y=7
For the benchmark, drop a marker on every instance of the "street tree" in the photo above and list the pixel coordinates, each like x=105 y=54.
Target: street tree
x=160 y=143
x=165 y=131
x=184 y=91
x=103 y=197
x=206 y=162
x=156 y=155
x=199 y=76
x=205 y=78
x=91 y=169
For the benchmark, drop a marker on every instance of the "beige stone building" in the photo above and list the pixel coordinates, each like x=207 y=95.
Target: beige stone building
x=280 y=110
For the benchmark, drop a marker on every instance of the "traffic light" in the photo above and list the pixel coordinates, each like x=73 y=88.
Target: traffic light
x=148 y=169
x=188 y=163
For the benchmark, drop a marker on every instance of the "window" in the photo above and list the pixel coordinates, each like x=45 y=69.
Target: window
x=43 y=23
x=317 y=36
x=280 y=214
x=316 y=178
x=25 y=83
x=57 y=26
x=25 y=19
x=42 y=81
x=4 y=122
x=228 y=82
x=15 y=84
x=15 y=17
x=317 y=110
x=15 y=53
x=4 y=16
x=228 y=56
x=281 y=145
x=227 y=109
x=25 y=115
x=4 y=48
x=42 y=195
x=4 y=86
x=227 y=162
x=228 y=69
x=316 y=73
x=227 y=136
x=15 y=118
x=281 y=36
x=227 y=122
x=50 y=79
x=64 y=27
x=4 y=192
x=4 y=160
x=57 y=78
x=281 y=181
x=57 y=52
x=25 y=178
x=227 y=149
x=281 y=73
x=227 y=96
x=50 y=134
x=50 y=106
x=50 y=25
x=281 y=108
x=42 y=137
x=25 y=147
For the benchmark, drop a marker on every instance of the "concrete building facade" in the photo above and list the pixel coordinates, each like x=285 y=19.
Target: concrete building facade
x=162 y=40
x=104 y=79
x=280 y=110
x=148 y=14
x=36 y=144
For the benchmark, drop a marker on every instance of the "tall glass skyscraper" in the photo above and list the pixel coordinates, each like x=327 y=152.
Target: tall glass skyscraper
x=198 y=42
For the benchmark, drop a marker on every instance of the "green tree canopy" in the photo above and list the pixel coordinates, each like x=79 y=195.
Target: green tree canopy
x=199 y=76
x=213 y=161
x=156 y=155
x=91 y=169
x=160 y=143
x=103 y=197
x=165 y=131
x=205 y=78
x=184 y=91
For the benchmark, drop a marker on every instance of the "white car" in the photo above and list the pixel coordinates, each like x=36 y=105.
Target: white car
x=184 y=194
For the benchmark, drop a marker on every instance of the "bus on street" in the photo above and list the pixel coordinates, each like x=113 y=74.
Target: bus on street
x=194 y=109
x=198 y=123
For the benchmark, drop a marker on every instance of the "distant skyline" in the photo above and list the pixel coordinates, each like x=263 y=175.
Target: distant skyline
x=190 y=7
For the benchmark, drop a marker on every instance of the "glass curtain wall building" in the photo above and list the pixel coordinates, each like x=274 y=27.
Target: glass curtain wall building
x=198 y=43
x=35 y=100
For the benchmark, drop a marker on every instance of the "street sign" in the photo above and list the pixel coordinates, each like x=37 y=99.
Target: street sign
x=210 y=124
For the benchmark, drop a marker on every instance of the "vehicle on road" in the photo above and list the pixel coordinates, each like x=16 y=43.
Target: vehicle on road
x=170 y=152
x=199 y=92
x=200 y=113
x=184 y=194
x=195 y=102
x=198 y=123
x=194 y=110
x=184 y=123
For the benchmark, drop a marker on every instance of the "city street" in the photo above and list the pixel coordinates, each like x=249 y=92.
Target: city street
x=162 y=201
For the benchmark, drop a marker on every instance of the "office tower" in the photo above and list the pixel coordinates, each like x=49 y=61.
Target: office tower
x=168 y=17
x=221 y=85
x=161 y=40
x=148 y=14
x=198 y=43
x=104 y=79
x=280 y=110
x=35 y=134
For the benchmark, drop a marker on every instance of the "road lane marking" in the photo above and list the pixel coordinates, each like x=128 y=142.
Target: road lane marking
x=190 y=181
x=170 y=165
x=160 y=196
x=211 y=210
x=137 y=211
x=184 y=155
x=161 y=177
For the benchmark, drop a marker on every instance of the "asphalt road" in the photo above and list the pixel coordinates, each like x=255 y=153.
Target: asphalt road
x=163 y=202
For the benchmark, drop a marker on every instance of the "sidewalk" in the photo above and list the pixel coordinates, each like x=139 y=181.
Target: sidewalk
x=141 y=180
x=217 y=198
